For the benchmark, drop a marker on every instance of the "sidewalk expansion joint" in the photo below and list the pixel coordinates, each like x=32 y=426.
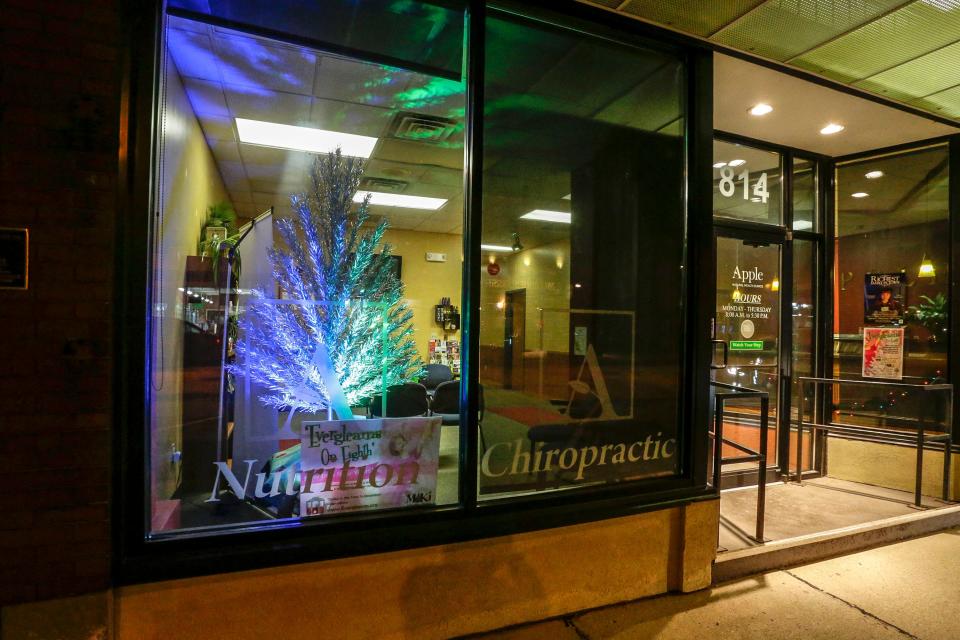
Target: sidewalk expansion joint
x=577 y=630
x=853 y=606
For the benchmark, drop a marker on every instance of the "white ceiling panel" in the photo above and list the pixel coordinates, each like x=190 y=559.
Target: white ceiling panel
x=224 y=150
x=284 y=108
x=347 y=117
x=264 y=66
x=206 y=97
x=218 y=129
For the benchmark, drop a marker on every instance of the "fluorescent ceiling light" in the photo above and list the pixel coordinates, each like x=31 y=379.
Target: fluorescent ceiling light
x=802 y=225
x=566 y=197
x=873 y=175
x=832 y=128
x=496 y=247
x=760 y=109
x=860 y=194
x=737 y=162
x=719 y=165
x=285 y=136
x=547 y=216
x=400 y=200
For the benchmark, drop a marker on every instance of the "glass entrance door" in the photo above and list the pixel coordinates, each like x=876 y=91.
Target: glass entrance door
x=748 y=321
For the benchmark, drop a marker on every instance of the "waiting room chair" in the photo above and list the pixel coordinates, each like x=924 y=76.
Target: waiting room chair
x=435 y=375
x=403 y=401
x=446 y=404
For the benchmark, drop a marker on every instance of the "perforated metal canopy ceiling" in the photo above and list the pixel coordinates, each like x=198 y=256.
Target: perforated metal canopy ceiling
x=905 y=51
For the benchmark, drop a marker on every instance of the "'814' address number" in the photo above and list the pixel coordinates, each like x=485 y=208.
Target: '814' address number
x=728 y=185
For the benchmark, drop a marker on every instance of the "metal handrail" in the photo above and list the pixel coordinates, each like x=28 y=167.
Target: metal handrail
x=922 y=438
x=752 y=456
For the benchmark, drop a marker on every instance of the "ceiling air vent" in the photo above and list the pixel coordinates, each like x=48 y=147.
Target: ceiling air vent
x=383 y=185
x=421 y=127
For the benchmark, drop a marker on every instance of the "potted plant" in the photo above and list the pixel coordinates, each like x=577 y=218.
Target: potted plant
x=931 y=314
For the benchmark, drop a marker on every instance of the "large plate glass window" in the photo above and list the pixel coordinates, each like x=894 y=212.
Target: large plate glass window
x=304 y=354
x=582 y=283
x=893 y=280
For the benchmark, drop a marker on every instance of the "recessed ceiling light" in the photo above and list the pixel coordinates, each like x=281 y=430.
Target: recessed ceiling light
x=760 y=109
x=495 y=247
x=859 y=194
x=737 y=162
x=873 y=175
x=832 y=128
x=399 y=200
x=547 y=216
x=719 y=165
x=285 y=136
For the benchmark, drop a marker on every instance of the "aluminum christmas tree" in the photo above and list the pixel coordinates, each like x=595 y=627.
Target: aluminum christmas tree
x=341 y=329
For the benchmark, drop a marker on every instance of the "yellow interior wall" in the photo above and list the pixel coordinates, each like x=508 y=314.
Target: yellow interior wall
x=425 y=283
x=544 y=272
x=891 y=466
x=189 y=183
x=441 y=591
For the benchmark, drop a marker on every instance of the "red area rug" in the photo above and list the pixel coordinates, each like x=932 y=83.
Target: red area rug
x=530 y=416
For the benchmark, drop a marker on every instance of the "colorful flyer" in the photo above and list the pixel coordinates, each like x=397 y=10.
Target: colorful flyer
x=354 y=465
x=883 y=352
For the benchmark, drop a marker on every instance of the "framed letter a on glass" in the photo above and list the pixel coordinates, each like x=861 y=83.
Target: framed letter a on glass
x=14 y=258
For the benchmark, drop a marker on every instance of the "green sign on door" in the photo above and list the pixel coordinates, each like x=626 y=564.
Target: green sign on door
x=746 y=345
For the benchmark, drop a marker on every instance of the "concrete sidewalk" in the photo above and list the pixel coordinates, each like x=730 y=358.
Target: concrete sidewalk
x=906 y=590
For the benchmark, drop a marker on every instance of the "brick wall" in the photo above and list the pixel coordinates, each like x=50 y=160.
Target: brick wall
x=60 y=77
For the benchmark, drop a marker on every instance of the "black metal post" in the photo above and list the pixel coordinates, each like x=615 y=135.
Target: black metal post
x=803 y=388
x=762 y=477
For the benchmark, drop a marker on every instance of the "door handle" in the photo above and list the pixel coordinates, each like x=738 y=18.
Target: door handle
x=726 y=354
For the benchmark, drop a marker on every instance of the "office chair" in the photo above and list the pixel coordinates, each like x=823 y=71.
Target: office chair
x=403 y=401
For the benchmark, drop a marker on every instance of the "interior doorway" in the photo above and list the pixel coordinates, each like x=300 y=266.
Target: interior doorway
x=514 y=338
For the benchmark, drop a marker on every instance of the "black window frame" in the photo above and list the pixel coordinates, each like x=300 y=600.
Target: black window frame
x=136 y=559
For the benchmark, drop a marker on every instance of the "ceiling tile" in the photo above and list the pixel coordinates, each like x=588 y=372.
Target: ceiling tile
x=945 y=102
x=272 y=106
x=215 y=128
x=232 y=170
x=347 y=117
x=359 y=82
x=699 y=17
x=922 y=76
x=193 y=54
x=224 y=150
x=899 y=36
x=263 y=66
x=206 y=97
x=780 y=30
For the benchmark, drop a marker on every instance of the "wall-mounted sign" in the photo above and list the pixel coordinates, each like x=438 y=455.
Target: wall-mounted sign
x=493 y=268
x=746 y=345
x=883 y=352
x=14 y=258
x=884 y=298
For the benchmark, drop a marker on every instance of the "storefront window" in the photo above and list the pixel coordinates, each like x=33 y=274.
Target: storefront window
x=804 y=324
x=893 y=274
x=805 y=213
x=581 y=318
x=307 y=269
x=746 y=183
